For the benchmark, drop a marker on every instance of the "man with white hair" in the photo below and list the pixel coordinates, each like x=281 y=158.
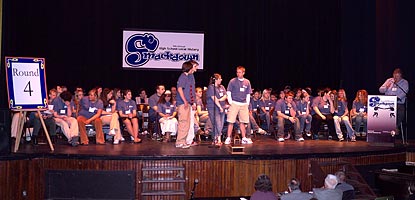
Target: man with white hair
x=329 y=192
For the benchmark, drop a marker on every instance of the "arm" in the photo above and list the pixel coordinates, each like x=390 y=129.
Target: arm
x=229 y=93
x=386 y=85
x=181 y=93
x=97 y=115
x=315 y=108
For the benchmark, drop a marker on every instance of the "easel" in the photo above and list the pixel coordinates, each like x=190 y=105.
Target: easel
x=22 y=119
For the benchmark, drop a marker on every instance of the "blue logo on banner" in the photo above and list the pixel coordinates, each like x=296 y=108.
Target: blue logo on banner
x=374 y=101
x=137 y=45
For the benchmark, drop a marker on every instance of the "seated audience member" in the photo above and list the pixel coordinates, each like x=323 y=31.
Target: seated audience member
x=341 y=115
x=202 y=114
x=47 y=116
x=253 y=113
x=90 y=113
x=359 y=112
x=142 y=97
x=63 y=117
x=273 y=96
x=167 y=112
x=99 y=91
x=322 y=110
x=263 y=189
x=116 y=94
x=286 y=111
x=152 y=101
x=297 y=92
x=75 y=104
x=109 y=115
x=173 y=91
x=295 y=192
x=329 y=192
x=265 y=106
x=303 y=113
x=127 y=110
x=347 y=189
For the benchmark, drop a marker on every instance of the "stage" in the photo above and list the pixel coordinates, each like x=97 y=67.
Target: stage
x=218 y=171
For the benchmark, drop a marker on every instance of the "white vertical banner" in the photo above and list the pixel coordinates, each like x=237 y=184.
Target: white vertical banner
x=381 y=117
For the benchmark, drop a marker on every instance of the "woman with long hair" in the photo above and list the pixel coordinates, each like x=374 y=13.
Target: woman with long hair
x=109 y=115
x=216 y=97
x=342 y=116
x=127 y=110
x=167 y=112
x=359 y=112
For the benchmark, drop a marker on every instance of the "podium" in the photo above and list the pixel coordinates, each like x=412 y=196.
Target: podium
x=381 y=119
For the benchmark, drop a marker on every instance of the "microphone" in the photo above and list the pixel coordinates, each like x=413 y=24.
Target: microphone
x=194 y=187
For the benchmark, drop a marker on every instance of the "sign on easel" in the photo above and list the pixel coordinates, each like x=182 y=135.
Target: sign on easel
x=26 y=88
x=381 y=118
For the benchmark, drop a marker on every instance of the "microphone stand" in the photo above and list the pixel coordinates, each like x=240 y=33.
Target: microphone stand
x=193 y=189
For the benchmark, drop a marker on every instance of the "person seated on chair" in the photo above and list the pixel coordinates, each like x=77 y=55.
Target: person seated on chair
x=359 y=112
x=303 y=113
x=253 y=113
x=90 y=113
x=329 y=190
x=263 y=189
x=127 y=110
x=152 y=101
x=202 y=114
x=110 y=116
x=167 y=112
x=75 y=103
x=341 y=114
x=347 y=189
x=265 y=107
x=295 y=192
x=322 y=110
x=47 y=116
x=142 y=97
x=62 y=115
x=286 y=111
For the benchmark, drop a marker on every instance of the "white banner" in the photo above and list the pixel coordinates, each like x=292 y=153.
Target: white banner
x=161 y=50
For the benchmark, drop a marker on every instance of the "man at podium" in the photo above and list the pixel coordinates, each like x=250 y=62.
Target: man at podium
x=397 y=86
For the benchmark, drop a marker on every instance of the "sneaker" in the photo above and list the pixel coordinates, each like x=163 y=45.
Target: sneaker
x=122 y=139
x=131 y=138
x=116 y=142
x=281 y=139
x=353 y=139
x=341 y=139
x=246 y=140
x=179 y=145
x=308 y=134
x=363 y=134
x=287 y=137
x=300 y=139
x=261 y=131
x=228 y=140
x=112 y=132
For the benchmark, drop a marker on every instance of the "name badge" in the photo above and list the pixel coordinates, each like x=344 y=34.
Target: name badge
x=394 y=89
x=287 y=112
x=326 y=106
x=127 y=112
x=108 y=109
x=168 y=111
x=254 y=109
x=241 y=89
x=220 y=94
x=361 y=110
x=266 y=108
x=91 y=109
x=303 y=113
x=63 y=111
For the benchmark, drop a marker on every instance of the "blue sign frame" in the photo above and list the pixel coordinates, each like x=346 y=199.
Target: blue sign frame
x=15 y=67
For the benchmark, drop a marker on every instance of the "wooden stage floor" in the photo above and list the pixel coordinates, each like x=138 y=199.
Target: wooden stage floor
x=263 y=148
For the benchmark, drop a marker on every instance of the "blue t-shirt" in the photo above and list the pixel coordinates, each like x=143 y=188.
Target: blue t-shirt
x=254 y=105
x=59 y=106
x=152 y=101
x=219 y=91
x=166 y=108
x=281 y=106
x=302 y=107
x=359 y=106
x=323 y=106
x=187 y=83
x=89 y=108
x=266 y=104
x=239 y=89
x=341 y=108
x=126 y=107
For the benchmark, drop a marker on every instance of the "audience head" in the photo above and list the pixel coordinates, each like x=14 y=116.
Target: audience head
x=160 y=90
x=341 y=176
x=361 y=96
x=263 y=183
x=106 y=94
x=331 y=181
x=92 y=95
x=66 y=96
x=294 y=184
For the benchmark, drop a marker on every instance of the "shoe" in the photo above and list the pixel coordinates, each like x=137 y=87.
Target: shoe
x=75 y=141
x=116 y=141
x=287 y=137
x=246 y=140
x=122 y=139
x=341 y=139
x=179 y=145
x=261 y=131
x=34 y=140
x=186 y=146
x=131 y=138
x=315 y=137
x=330 y=137
x=353 y=139
x=308 y=134
x=300 y=139
x=363 y=134
x=281 y=139
x=112 y=132
x=28 y=138
x=228 y=140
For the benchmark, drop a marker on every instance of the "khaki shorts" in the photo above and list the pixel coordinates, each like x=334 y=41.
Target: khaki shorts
x=241 y=111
